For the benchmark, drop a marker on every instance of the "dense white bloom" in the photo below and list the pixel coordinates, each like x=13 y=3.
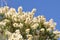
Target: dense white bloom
x=5 y=9
x=20 y=25
x=30 y=15
x=16 y=36
x=17 y=31
x=52 y=24
x=1 y=10
x=42 y=18
x=27 y=31
x=28 y=20
x=51 y=21
x=8 y=14
x=2 y=23
x=49 y=29
x=56 y=37
x=14 y=18
x=29 y=37
x=46 y=24
x=34 y=20
x=22 y=17
x=35 y=26
x=20 y=10
x=38 y=18
x=13 y=36
x=42 y=29
x=15 y=25
x=19 y=36
x=8 y=33
x=56 y=32
x=33 y=11
x=12 y=10
x=6 y=20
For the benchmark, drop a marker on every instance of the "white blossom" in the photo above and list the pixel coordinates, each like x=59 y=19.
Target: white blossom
x=21 y=25
x=35 y=26
x=15 y=25
x=28 y=20
x=2 y=23
x=27 y=31
x=56 y=32
x=49 y=29
x=1 y=10
x=34 y=20
x=5 y=9
x=18 y=25
x=20 y=10
x=42 y=29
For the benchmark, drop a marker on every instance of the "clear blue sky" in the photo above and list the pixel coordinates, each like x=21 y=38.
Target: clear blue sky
x=48 y=8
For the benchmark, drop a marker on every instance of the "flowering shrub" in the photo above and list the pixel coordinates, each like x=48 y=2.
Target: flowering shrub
x=24 y=26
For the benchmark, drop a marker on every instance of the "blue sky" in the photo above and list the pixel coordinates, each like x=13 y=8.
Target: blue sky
x=48 y=8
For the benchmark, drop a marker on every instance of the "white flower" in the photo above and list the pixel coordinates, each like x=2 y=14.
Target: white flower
x=29 y=37
x=9 y=14
x=15 y=25
x=19 y=37
x=12 y=37
x=28 y=20
x=27 y=31
x=20 y=10
x=14 y=18
x=26 y=14
x=21 y=25
x=52 y=27
x=34 y=20
x=12 y=10
x=1 y=10
x=16 y=36
x=56 y=37
x=23 y=17
x=52 y=24
x=51 y=21
x=56 y=32
x=49 y=29
x=42 y=29
x=33 y=11
x=46 y=24
x=17 y=31
x=2 y=23
x=6 y=20
x=35 y=26
x=8 y=33
x=5 y=9
x=42 y=18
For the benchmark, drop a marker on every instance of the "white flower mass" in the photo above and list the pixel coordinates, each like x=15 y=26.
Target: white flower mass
x=25 y=26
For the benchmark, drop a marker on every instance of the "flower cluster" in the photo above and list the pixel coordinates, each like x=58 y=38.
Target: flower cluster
x=23 y=25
